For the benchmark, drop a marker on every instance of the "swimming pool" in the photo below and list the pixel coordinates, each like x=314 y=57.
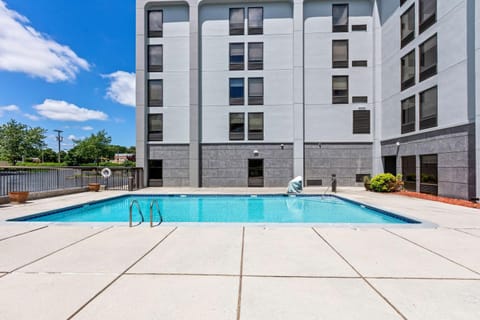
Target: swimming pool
x=226 y=209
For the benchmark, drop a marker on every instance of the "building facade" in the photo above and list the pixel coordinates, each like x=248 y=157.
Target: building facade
x=254 y=93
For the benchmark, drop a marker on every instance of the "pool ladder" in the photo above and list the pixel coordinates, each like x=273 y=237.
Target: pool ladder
x=137 y=204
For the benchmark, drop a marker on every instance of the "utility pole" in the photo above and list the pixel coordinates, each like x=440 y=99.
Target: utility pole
x=59 y=139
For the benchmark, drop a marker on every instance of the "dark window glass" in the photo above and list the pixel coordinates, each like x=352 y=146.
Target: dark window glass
x=237 y=17
x=255 y=172
x=339 y=89
x=359 y=27
x=340 y=53
x=359 y=63
x=402 y=2
x=407 y=26
x=429 y=174
x=408 y=115
x=359 y=177
x=155 y=58
x=237 y=126
x=237 y=92
x=360 y=99
x=409 y=172
x=428 y=58
x=361 y=121
x=255 y=91
x=155 y=23
x=255 y=56
x=155 y=169
x=408 y=70
x=255 y=126
x=237 y=56
x=255 y=20
x=155 y=127
x=155 y=93
x=428 y=108
x=340 y=18
x=427 y=14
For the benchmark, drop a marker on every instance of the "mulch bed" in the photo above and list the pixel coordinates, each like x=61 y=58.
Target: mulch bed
x=458 y=202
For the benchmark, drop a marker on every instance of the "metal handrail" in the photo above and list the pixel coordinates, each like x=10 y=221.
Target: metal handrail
x=155 y=202
x=130 y=217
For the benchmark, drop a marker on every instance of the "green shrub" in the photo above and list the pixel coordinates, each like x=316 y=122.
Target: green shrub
x=384 y=182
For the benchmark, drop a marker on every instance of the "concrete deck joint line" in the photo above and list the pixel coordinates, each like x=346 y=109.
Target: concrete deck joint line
x=431 y=251
x=63 y=248
x=180 y=274
x=120 y=275
x=22 y=233
x=361 y=276
x=239 y=302
x=466 y=232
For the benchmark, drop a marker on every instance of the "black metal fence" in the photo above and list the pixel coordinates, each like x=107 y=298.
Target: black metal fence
x=37 y=179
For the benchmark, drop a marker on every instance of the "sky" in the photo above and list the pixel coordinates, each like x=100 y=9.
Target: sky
x=69 y=65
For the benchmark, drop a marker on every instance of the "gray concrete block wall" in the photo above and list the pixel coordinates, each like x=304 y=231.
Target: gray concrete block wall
x=175 y=163
x=346 y=160
x=226 y=165
x=455 y=148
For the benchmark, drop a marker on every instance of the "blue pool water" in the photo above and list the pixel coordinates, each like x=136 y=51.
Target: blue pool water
x=240 y=209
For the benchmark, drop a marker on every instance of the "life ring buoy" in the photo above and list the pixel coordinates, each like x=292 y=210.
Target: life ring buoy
x=106 y=172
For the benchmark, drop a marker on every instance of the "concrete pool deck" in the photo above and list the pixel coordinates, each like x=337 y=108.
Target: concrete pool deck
x=104 y=271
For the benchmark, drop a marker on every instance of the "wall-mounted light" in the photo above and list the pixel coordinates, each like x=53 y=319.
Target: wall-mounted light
x=319 y=145
x=398 y=144
x=255 y=153
x=282 y=146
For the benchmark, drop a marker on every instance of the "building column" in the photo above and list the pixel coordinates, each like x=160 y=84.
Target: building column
x=377 y=164
x=298 y=90
x=195 y=117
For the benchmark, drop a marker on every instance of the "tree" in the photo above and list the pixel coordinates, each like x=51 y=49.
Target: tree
x=49 y=155
x=18 y=140
x=90 y=149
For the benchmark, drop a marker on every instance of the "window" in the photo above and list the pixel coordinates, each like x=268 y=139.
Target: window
x=408 y=70
x=339 y=89
x=236 y=21
x=255 y=20
x=237 y=56
x=255 y=91
x=340 y=18
x=359 y=63
x=339 y=53
x=360 y=99
x=155 y=93
x=255 y=172
x=428 y=108
x=427 y=14
x=408 y=115
x=359 y=27
x=255 y=56
x=428 y=58
x=409 y=172
x=155 y=58
x=407 y=26
x=155 y=127
x=237 y=126
x=237 y=91
x=155 y=173
x=255 y=126
x=361 y=121
x=429 y=174
x=155 y=23
x=402 y=2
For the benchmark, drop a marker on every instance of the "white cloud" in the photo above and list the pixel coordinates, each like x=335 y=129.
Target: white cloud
x=9 y=108
x=87 y=128
x=72 y=137
x=62 y=110
x=31 y=116
x=122 y=87
x=24 y=49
